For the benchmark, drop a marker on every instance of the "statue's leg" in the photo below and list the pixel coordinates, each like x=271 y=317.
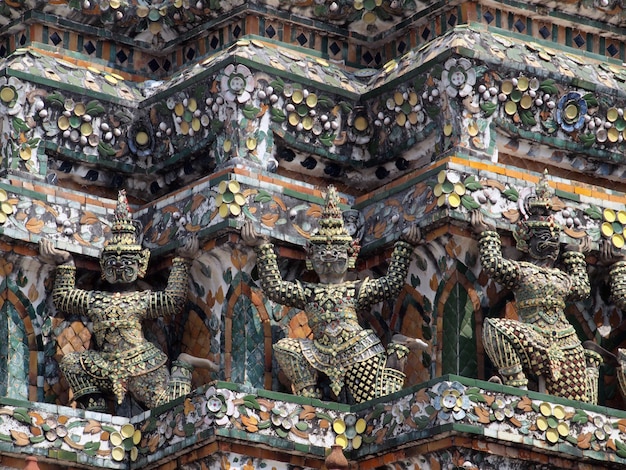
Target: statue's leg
x=372 y=378
x=595 y=355
x=302 y=375
x=151 y=389
x=364 y=378
x=499 y=343
x=180 y=380
x=573 y=381
x=88 y=391
x=160 y=386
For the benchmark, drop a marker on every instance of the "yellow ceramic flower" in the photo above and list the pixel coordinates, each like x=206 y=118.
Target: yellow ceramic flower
x=613 y=226
x=349 y=430
x=550 y=421
x=229 y=200
x=6 y=209
x=449 y=189
x=126 y=439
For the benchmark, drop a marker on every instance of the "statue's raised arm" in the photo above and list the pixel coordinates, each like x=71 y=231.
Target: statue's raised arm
x=66 y=297
x=172 y=299
x=502 y=270
x=275 y=287
x=389 y=286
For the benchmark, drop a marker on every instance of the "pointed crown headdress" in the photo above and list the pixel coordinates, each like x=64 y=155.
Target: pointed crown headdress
x=540 y=214
x=127 y=235
x=331 y=229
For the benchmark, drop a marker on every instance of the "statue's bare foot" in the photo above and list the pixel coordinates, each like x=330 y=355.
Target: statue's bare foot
x=414 y=344
x=199 y=362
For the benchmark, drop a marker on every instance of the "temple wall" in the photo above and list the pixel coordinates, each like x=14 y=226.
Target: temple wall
x=214 y=114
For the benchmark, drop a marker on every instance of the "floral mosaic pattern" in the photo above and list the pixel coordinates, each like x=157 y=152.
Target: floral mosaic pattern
x=54 y=220
x=237 y=198
x=260 y=419
x=233 y=410
x=240 y=111
x=67 y=435
x=228 y=199
x=237 y=111
x=547 y=423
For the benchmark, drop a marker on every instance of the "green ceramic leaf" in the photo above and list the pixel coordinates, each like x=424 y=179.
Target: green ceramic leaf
x=591 y=100
x=471 y=184
x=548 y=86
x=277 y=115
x=278 y=85
x=94 y=108
x=250 y=402
x=527 y=117
x=587 y=139
x=263 y=196
x=469 y=203
x=248 y=214
x=511 y=194
x=250 y=111
x=488 y=108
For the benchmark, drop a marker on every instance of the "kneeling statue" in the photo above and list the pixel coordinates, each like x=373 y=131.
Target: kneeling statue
x=341 y=349
x=125 y=361
x=542 y=343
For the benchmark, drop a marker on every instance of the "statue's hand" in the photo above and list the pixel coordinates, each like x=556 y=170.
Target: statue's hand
x=189 y=249
x=412 y=234
x=250 y=236
x=479 y=224
x=609 y=254
x=49 y=254
x=583 y=247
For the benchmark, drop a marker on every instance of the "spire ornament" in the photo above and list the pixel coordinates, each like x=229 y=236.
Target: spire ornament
x=332 y=231
x=126 y=238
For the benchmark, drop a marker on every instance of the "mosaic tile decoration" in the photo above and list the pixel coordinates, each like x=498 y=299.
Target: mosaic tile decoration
x=369 y=433
x=360 y=130
x=387 y=29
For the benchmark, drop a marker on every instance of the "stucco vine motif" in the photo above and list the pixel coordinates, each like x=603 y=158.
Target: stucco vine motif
x=228 y=412
x=38 y=429
x=237 y=110
x=446 y=402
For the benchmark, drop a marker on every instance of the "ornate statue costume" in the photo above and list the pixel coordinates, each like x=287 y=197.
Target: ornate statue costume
x=124 y=361
x=618 y=296
x=542 y=342
x=341 y=349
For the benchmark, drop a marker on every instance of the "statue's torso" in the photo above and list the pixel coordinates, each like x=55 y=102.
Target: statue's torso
x=339 y=341
x=331 y=311
x=541 y=295
x=117 y=319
